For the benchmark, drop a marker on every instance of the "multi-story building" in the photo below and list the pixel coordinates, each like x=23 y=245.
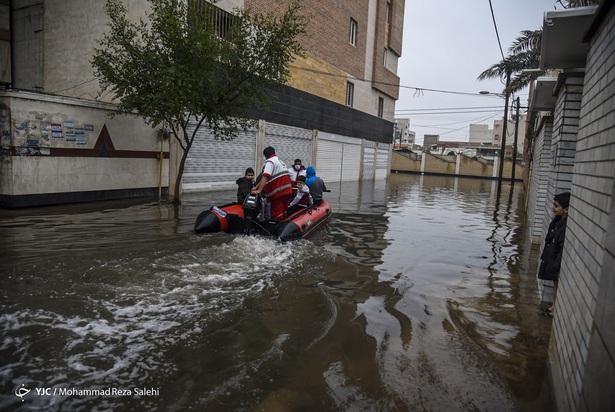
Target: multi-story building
x=404 y=137
x=353 y=48
x=511 y=129
x=59 y=144
x=481 y=133
x=573 y=150
x=430 y=141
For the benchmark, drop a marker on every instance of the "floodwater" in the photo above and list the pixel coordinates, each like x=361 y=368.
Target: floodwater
x=419 y=295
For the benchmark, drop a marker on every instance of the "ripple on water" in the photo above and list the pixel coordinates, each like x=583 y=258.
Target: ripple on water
x=133 y=311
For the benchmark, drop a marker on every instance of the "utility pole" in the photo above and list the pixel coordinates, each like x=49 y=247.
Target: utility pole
x=504 y=131
x=514 y=165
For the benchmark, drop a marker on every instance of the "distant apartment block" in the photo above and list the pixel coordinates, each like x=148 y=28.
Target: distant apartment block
x=481 y=133
x=404 y=138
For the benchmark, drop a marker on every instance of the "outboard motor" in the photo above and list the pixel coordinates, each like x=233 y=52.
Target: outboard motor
x=251 y=209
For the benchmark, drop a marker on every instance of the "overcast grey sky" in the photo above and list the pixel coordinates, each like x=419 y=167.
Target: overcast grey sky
x=446 y=45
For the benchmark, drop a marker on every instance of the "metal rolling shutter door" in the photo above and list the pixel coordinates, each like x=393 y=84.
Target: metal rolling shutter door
x=213 y=162
x=382 y=161
x=329 y=160
x=369 y=160
x=290 y=143
x=351 y=161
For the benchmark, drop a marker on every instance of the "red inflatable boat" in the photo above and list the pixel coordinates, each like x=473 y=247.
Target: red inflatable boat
x=238 y=218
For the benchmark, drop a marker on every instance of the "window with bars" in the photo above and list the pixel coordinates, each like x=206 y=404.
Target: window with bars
x=380 y=107
x=349 y=94
x=221 y=20
x=353 y=31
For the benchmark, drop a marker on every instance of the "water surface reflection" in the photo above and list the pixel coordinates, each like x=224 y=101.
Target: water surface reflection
x=420 y=295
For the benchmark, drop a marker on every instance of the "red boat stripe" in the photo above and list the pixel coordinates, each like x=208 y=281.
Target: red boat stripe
x=223 y=221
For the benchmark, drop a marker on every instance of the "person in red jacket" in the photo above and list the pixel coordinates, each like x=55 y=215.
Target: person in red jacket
x=275 y=184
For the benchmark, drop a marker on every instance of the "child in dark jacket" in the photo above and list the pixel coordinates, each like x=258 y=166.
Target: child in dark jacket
x=551 y=257
x=244 y=185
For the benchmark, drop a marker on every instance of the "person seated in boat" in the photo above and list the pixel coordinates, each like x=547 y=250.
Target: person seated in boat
x=302 y=199
x=275 y=184
x=297 y=170
x=316 y=184
x=245 y=185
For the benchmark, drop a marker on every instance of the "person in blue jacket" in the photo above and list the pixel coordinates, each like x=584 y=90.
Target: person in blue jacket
x=316 y=184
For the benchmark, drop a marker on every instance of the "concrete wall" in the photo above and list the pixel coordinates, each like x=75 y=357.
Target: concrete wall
x=439 y=164
x=53 y=145
x=460 y=165
x=469 y=166
x=402 y=162
x=582 y=350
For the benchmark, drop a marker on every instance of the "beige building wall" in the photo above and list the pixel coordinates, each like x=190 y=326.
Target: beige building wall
x=475 y=167
x=330 y=58
x=480 y=133
x=42 y=32
x=440 y=164
x=404 y=163
x=458 y=165
x=327 y=86
x=64 y=145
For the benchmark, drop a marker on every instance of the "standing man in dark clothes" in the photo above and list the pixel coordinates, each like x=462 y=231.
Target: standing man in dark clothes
x=551 y=257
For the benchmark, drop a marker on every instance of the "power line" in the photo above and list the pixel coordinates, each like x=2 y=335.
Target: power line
x=450 y=108
x=452 y=112
x=465 y=122
x=495 y=26
x=419 y=90
x=75 y=86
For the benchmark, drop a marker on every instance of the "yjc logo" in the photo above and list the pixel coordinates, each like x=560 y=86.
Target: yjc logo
x=22 y=391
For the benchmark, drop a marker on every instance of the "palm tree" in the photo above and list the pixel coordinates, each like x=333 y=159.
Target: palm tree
x=524 y=55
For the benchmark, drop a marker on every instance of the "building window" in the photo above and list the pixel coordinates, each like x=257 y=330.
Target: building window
x=353 y=31
x=222 y=21
x=349 y=94
x=385 y=57
x=380 y=107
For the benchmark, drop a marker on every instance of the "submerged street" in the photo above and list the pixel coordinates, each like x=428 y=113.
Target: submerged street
x=421 y=294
